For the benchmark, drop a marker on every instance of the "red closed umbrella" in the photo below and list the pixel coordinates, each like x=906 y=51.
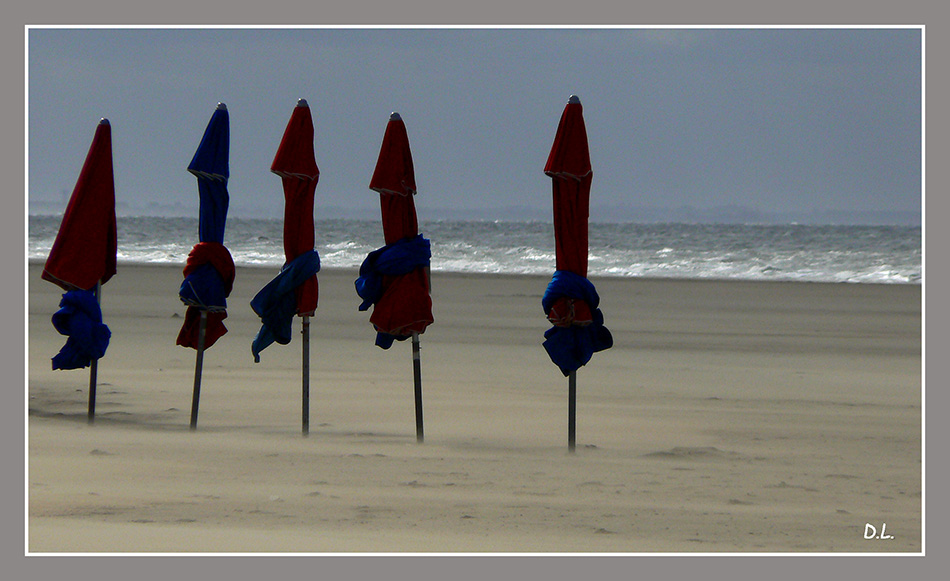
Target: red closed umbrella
x=83 y=256
x=569 y=166
x=406 y=306
x=296 y=165
x=570 y=301
x=84 y=252
x=395 y=278
x=395 y=180
x=295 y=290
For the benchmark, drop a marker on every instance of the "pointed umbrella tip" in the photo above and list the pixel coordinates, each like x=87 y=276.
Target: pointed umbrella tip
x=574 y=100
x=222 y=106
x=103 y=121
x=302 y=103
x=395 y=117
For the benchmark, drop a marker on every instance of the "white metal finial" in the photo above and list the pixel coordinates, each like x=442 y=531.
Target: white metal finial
x=222 y=107
x=302 y=103
x=395 y=117
x=574 y=100
x=103 y=121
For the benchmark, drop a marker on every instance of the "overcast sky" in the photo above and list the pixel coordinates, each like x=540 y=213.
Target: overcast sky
x=780 y=120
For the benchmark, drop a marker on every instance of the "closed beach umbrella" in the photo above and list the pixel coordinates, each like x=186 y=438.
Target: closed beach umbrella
x=209 y=270
x=83 y=258
x=569 y=166
x=294 y=291
x=395 y=180
x=395 y=278
x=570 y=301
x=296 y=165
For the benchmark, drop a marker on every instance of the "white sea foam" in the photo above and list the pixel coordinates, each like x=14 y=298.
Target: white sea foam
x=853 y=254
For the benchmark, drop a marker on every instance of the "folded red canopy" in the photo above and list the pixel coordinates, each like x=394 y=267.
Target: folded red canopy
x=395 y=180
x=569 y=166
x=297 y=167
x=84 y=252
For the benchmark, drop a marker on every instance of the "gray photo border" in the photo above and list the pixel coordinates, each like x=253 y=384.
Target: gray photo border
x=486 y=12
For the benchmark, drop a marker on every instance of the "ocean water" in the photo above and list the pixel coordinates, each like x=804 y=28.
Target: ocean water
x=808 y=253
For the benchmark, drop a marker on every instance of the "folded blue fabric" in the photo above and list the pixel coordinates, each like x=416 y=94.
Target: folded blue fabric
x=386 y=340
x=572 y=347
x=396 y=259
x=80 y=319
x=204 y=288
x=276 y=303
x=400 y=257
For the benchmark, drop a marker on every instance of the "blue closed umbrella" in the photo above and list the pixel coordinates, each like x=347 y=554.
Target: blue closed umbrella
x=209 y=273
x=210 y=166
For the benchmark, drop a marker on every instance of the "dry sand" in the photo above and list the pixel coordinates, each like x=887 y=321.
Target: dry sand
x=728 y=417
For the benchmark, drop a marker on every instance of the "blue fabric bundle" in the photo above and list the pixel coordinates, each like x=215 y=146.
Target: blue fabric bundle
x=80 y=319
x=204 y=288
x=276 y=303
x=396 y=259
x=572 y=347
x=386 y=340
x=209 y=277
x=400 y=257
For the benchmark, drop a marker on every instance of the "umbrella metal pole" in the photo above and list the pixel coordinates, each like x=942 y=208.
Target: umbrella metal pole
x=305 y=365
x=94 y=371
x=199 y=359
x=417 y=378
x=571 y=409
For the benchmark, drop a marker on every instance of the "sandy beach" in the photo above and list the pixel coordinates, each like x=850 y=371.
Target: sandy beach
x=728 y=417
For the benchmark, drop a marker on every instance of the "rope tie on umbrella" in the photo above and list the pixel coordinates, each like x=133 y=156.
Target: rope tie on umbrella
x=196 y=302
x=567 y=311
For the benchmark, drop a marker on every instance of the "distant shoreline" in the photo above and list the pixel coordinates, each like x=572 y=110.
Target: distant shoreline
x=598 y=215
x=886 y=254
x=35 y=262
